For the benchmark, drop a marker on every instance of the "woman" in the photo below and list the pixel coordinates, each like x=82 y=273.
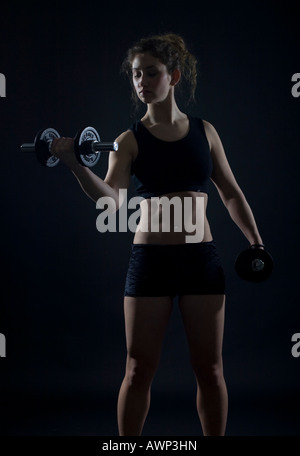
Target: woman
x=170 y=154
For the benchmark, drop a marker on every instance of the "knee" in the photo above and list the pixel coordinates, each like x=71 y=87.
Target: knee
x=139 y=372
x=209 y=374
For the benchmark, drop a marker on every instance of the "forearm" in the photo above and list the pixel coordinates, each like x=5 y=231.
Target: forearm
x=241 y=213
x=93 y=185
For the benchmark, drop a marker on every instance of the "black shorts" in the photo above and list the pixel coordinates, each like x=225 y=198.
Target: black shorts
x=170 y=270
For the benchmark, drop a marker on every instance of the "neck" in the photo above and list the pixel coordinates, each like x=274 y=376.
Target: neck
x=166 y=111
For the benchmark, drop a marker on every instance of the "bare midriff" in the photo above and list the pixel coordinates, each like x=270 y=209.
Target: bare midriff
x=174 y=218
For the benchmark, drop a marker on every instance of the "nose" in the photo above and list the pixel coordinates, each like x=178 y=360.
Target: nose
x=142 y=81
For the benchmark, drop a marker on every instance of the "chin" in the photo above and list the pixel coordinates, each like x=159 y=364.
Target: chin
x=147 y=99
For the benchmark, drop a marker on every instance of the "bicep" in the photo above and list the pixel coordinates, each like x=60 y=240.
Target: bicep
x=119 y=163
x=222 y=175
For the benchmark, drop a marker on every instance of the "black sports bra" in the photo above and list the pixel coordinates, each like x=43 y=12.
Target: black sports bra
x=171 y=166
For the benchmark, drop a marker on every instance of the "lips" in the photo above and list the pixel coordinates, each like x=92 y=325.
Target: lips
x=144 y=92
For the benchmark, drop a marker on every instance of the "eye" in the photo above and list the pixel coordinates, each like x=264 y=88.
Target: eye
x=151 y=75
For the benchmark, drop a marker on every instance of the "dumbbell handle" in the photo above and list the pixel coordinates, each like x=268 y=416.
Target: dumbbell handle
x=96 y=146
x=28 y=147
x=99 y=146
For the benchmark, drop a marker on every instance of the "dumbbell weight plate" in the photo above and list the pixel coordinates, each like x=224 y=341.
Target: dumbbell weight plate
x=42 y=147
x=254 y=265
x=82 y=146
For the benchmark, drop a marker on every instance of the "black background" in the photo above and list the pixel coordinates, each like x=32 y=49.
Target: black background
x=62 y=281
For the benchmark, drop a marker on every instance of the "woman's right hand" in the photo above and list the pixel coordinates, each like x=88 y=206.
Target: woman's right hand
x=63 y=148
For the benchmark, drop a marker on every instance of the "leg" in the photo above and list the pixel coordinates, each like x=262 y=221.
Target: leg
x=146 y=319
x=203 y=318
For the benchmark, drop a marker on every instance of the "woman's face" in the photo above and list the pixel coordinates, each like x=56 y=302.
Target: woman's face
x=151 y=79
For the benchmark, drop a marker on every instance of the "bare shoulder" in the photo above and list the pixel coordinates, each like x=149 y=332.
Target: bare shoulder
x=127 y=144
x=210 y=132
x=222 y=175
x=120 y=161
x=215 y=143
x=207 y=125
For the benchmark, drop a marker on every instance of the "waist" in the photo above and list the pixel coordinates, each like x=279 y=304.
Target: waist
x=173 y=218
x=175 y=247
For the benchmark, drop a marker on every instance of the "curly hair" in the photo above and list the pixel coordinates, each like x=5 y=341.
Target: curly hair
x=171 y=50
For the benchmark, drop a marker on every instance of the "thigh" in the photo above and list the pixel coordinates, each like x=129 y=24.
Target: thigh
x=146 y=319
x=203 y=318
x=149 y=272
x=199 y=270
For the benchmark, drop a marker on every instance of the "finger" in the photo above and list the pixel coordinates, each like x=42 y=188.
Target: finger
x=54 y=142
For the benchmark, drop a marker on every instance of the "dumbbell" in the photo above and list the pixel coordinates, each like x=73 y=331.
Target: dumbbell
x=87 y=147
x=254 y=264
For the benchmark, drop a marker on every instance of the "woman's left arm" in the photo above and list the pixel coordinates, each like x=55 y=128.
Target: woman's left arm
x=229 y=190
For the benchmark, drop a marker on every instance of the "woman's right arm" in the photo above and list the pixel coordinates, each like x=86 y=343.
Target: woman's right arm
x=119 y=167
